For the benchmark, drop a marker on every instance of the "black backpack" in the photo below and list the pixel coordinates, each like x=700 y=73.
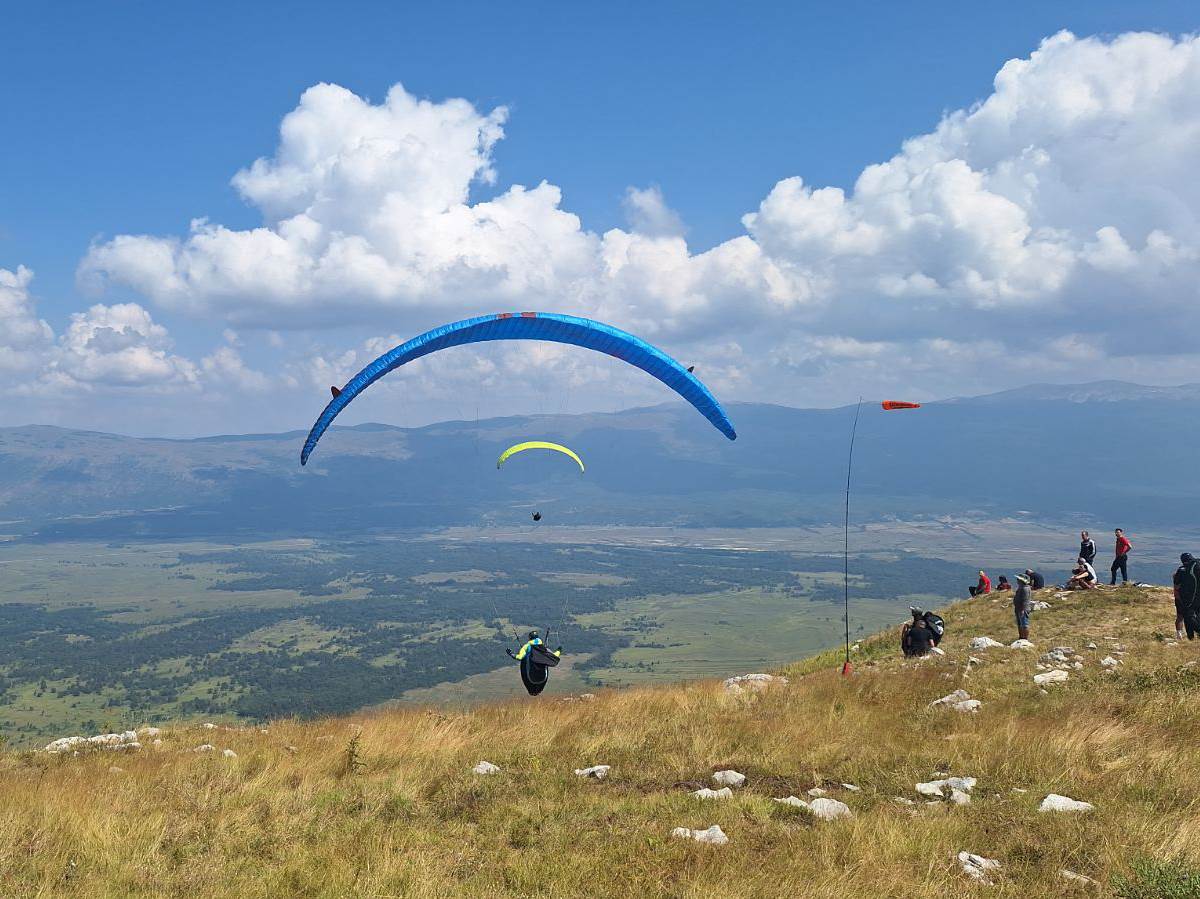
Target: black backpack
x=936 y=623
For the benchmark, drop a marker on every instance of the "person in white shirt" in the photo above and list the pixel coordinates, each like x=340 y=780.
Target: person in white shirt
x=1083 y=577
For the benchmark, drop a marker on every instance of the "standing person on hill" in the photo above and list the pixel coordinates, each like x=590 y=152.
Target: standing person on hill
x=1087 y=548
x=1187 y=597
x=1022 y=605
x=1121 y=559
x=984 y=585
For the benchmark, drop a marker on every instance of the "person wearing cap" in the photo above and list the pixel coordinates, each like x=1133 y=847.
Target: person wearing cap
x=984 y=585
x=1036 y=581
x=1187 y=594
x=1083 y=577
x=1022 y=605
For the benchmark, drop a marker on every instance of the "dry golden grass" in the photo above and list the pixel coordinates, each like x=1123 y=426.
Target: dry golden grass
x=385 y=804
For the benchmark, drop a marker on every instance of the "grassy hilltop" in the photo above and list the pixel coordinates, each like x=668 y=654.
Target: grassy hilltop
x=386 y=804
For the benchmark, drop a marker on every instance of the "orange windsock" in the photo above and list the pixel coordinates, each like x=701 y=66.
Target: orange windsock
x=892 y=405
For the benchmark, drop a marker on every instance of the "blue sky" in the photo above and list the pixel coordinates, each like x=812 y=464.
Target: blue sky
x=131 y=118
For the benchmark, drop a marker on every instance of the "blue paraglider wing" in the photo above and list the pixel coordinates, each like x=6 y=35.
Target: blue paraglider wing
x=531 y=326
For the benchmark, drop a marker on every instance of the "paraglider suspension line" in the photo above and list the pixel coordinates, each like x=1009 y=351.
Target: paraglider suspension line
x=846 y=535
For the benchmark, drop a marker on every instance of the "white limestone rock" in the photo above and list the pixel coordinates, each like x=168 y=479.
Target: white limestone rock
x=205 y=747
x=65 y=744
x=951 y=698
x=1051 y=677
x=1081 y=879
x=599 y=772
x=706 y=793
x=753 y=682
x=1109 y=662
x=793 y=801
x=485 y=768
x=729 y=778
x=829 y=809
x=985 y=643
x=229 y=753
x=1022 y=644
x=936 y=789
x=978 y=868
x=817 y=792
x=713 y=836
x=1057 y=803
x=967 y=705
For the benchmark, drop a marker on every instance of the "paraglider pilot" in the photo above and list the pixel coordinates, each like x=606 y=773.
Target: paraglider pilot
x=533 y=640
x=536 y=661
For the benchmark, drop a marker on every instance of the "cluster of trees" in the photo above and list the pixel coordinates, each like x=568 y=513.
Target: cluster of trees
x=375 y=644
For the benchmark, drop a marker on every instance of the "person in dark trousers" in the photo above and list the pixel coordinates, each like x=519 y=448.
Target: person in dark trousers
x=1087 y=548
x=916 y=637
x=1022 y=605
x=984 y=585
x=1121 y=560
x=1036 y=581
x=1187 y=597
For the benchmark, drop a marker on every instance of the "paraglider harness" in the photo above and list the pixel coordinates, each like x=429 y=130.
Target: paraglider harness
x=536 y=661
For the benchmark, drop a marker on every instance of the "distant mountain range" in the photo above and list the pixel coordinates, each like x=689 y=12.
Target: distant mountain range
x=1107 y=451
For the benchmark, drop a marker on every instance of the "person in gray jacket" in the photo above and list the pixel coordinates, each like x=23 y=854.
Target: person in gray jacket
x=1022 y=606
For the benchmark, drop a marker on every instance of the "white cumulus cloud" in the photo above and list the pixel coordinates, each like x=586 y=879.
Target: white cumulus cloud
x=23 y=336
x=106 y=347
x=1051 y=229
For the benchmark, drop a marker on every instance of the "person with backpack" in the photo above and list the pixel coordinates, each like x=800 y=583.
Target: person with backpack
x=1036 y=581
x=1003 y=584
x=1087 y=548
x=916 y=637
x=1187 y=597
x=1022 y=606
x=1121 y=559
x=984 y=585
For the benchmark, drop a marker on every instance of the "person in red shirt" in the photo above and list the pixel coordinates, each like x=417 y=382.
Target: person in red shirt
x=1122 y=558
x=984 y=585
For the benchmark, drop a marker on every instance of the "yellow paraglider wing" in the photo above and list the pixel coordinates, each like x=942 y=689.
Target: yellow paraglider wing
x=538 y=444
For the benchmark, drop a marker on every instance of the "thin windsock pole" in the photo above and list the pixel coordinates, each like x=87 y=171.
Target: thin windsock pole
x=846 y=538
